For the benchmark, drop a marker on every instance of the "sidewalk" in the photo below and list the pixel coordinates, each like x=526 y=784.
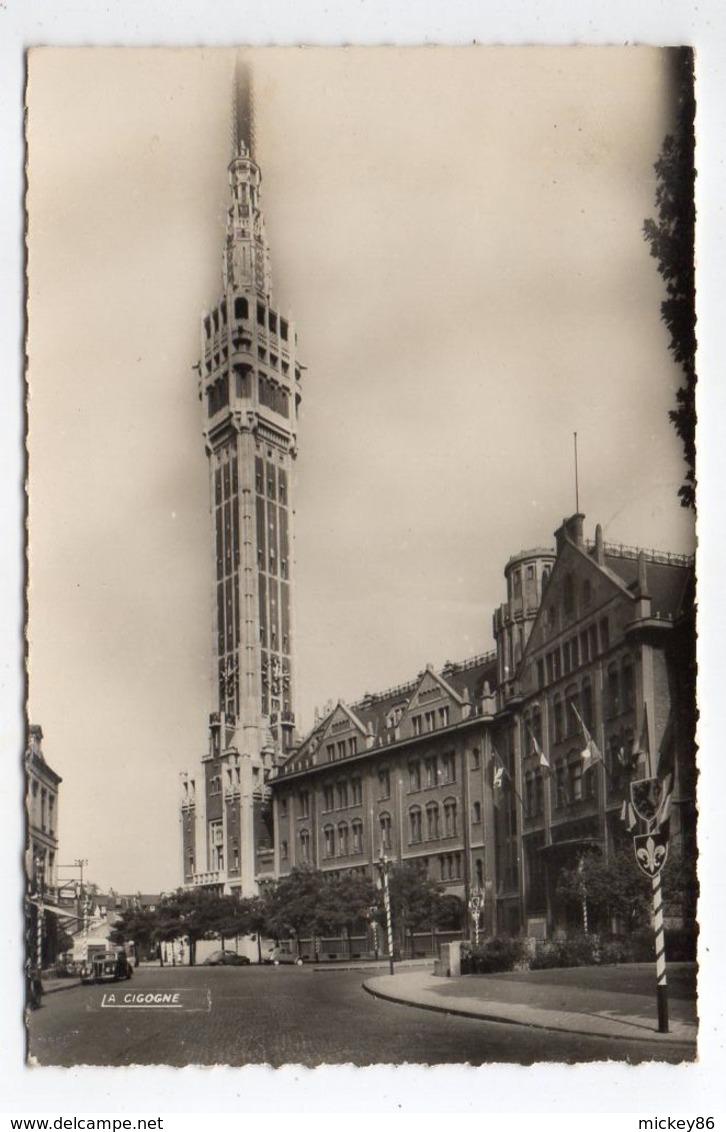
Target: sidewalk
x=616 y=1002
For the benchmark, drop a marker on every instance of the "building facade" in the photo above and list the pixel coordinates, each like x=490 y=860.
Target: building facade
x=41 y=807
x=479 y=773
x=249 y=388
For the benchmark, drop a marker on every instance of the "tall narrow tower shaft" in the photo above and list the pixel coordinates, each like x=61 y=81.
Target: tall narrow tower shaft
x=249 y=386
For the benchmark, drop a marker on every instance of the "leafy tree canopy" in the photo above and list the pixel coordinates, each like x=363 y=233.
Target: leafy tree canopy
x=671 y=237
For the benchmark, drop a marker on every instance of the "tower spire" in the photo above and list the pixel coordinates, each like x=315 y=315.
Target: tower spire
x=243 y=109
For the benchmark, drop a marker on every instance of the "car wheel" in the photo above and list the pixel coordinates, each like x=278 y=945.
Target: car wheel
x=275 y=962
x=298 y=962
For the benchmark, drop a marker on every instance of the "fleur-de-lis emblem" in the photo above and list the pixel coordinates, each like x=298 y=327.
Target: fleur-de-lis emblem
x=651 y=850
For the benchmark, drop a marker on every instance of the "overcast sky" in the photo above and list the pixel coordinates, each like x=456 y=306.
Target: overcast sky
x=458 y=236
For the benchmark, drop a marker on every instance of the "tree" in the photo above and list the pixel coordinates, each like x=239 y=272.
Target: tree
x=415 y=899
x=348 y=901
x=193 y=914
x=614 y=888
x=297 y=904
x=671 y=238
x=617 y=889
x=138 y=926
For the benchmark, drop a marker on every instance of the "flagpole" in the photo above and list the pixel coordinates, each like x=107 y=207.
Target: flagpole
x=660 y=957
x=577 y=485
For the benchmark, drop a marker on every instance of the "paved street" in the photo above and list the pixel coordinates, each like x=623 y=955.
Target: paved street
x=289 y=1015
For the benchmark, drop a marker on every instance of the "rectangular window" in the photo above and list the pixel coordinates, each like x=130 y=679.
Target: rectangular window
x=540 y=674
x=444 y=716
x=431 y=772
x=283 y=850
x=384 y=783
x=416 y=724
x=414 y=776
x=430 y=720
x=604 y=635
x=557 y=663
x=328 y=798
x=356 y=789
x=330 y=751
x=550 y=667
x=353 y=745
x=304 y=804
x=475 y=759
x=342 y=795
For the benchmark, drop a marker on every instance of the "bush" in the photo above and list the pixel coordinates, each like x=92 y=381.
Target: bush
x=577 y=951
x=502 y=953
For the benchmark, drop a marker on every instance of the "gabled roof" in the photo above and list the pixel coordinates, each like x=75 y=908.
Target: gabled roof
x=668 y=579
x=462 y=683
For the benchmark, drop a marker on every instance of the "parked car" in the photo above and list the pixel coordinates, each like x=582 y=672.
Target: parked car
x=226 y=959
x=67 y=969
x=106 y=969
x=275 y=956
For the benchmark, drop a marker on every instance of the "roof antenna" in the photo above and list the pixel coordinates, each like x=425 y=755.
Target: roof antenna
x=577 y=486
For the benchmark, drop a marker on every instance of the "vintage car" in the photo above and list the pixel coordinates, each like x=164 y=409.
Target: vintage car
x=107 y=968
x=226 y=959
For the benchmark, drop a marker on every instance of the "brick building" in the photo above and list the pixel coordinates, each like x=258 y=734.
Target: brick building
x=41 y=805
x=590 y=635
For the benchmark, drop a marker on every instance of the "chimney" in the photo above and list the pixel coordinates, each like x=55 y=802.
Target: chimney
x=599 y=546
x=570 y=531
x=640 y=590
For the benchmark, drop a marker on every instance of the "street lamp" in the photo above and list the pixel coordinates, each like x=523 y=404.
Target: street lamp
x=40 y=910
x=384 y=866
x=476 y=907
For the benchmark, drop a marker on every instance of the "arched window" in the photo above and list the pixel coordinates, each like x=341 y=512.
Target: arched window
x=572 y=726
x=305 y=846
x=613 y=686
x=557 y=719
x=343 y=839
x=450 y=817
x=414 y=825
x=476 y=814
x=479 y=872
x=587 y=710
x=432 y=821
x=568 y=595
x=628 y=684
x=384 y=821
x=329 y=841
x=357 y=836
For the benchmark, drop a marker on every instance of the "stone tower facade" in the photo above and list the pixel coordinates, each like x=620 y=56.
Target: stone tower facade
x=249 y=387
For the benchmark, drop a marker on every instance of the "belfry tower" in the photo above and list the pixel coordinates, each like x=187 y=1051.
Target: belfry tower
x=249 y=387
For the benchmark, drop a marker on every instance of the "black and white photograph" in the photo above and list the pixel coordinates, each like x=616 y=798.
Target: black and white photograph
x=361 y=589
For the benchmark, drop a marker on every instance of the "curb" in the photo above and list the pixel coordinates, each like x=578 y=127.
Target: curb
x=666 y=1039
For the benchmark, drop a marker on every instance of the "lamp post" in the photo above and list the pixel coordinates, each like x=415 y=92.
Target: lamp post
x=80 y=863
x=40 y=914
x=476 y=906
x=384 y=865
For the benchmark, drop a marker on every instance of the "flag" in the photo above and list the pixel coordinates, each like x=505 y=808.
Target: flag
x=628 y=816
x=664 y=810
x=498 y=780
x=642 y=745
x=542 y=759
x=591 y=752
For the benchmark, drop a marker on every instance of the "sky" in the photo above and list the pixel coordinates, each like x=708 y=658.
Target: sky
x=457 y=234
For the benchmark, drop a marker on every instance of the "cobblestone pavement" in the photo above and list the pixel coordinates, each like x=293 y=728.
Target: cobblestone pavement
x=288 y=1015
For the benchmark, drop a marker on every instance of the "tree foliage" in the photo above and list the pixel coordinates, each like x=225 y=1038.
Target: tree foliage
x=671 y=237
